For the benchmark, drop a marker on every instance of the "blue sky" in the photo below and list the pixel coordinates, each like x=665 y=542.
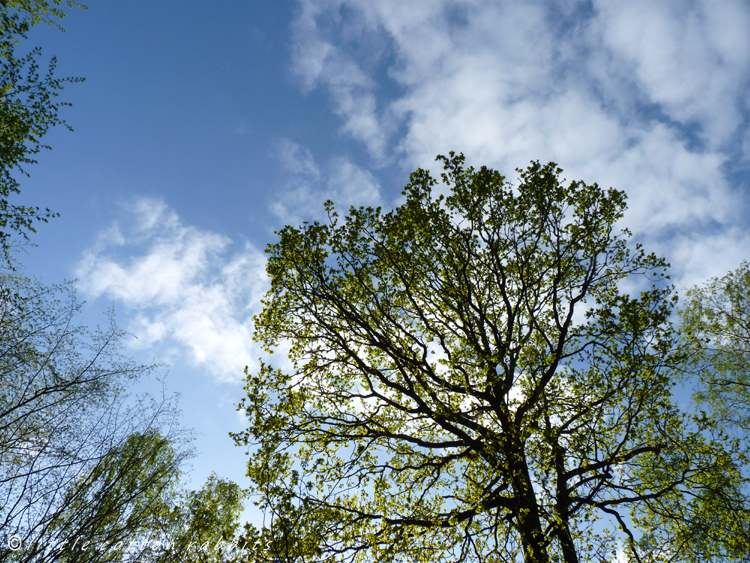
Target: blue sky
x=202 y=128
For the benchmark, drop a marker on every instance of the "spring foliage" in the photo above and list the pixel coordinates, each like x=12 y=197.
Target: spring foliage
x=469 y=381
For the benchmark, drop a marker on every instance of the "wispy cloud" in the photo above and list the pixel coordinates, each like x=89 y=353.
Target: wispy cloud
x=187 y=289
x=318 y=61
x=647 y=97
x=308 y=186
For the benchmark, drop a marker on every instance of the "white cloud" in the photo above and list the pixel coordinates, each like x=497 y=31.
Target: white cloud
x=184 y=286
x=690 y=58
x=308 y=187
x=316 y=61
x=297 y=160
x=646 y=97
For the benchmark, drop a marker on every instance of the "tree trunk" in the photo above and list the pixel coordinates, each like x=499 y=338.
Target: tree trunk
x=527 y=518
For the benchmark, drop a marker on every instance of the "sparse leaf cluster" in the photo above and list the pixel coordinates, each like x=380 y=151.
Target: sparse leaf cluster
x=28 y=108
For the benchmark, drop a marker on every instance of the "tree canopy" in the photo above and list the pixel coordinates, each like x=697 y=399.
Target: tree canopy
x=111 y=506
x=203 y=525
x=469 y=379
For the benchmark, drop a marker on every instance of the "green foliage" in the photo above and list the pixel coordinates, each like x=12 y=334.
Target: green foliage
x=119 y=499
x=202 y=528
x=717 y=320
x=715 y=524
x=470 y=381
x=28 y=107
x=21 y=15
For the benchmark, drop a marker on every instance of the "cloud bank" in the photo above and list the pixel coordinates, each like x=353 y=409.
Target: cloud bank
x=187 y=289
x=650 y=98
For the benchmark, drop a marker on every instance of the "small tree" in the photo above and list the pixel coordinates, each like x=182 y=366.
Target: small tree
x=716 y=319
x=715 y=523
x=77 y=456
x=202 y=527
x=469 y=379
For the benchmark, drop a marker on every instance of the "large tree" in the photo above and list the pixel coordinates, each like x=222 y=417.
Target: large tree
x=480 y=376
